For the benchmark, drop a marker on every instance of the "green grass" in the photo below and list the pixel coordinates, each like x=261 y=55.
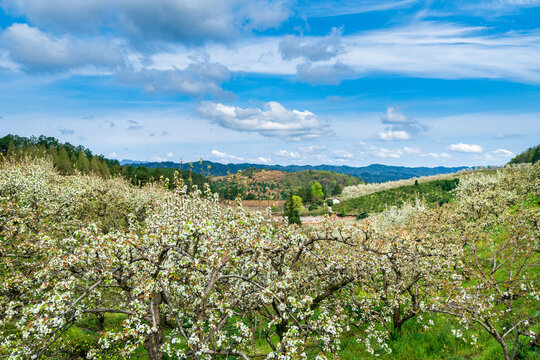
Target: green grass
x=432 y=192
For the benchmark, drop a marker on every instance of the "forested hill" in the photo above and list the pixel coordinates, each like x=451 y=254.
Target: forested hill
x=371 y=173
x=531 y=155
x=69 y=159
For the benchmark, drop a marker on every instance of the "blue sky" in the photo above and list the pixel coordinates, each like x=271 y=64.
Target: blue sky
x=399 y=82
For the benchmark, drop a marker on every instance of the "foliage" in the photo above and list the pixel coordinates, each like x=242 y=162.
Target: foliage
x=292 y=208
x=262 y=184
x=68 y=159
x=531 y=155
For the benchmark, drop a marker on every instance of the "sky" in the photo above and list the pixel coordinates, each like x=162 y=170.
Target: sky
x=397 y=82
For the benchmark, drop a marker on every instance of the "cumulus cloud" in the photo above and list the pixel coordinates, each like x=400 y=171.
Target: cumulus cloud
x=312 y=49
x=400 y=127
x=272 y=121
x=37 y=51
x=466 y=148
x=225 y=157
x=196 y=79
x=183 y=21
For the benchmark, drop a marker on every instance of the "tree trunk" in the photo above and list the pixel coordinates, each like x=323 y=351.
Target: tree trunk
x=396 y=319
x=155 y=339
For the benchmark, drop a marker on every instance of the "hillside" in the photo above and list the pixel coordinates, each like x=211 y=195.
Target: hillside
x=531 y=155
x=371 y=173
x=255 y=183
x=433 y=193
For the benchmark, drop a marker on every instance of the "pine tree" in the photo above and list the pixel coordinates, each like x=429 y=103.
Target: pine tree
x=291 y=209
x=63 y=164
x=95 y=166
x=83 y=165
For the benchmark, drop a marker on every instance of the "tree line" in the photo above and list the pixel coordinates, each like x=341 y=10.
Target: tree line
x=69 y=159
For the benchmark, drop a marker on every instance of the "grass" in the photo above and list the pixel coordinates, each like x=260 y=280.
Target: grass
x=437 y=342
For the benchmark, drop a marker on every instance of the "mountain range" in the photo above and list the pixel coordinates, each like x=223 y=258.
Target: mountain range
x=374 y=173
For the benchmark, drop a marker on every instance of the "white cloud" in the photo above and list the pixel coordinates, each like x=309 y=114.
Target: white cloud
x=225 y=157
x=273 y=121
x=389 y=135
x=312 y=48
x=196 y=79
x=437 y=155
x=503 y=153
x=113 y=155
x=400 y=126
x=394 y=116
x=288 y=154
x=342 y=154
x=330 y=74
x=466 y=148
x=264 y=160
x=184 y=21
x=498 y=155
x=170 y=155
x=37 y=51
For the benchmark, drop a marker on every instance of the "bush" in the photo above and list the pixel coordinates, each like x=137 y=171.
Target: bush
x=362 y=215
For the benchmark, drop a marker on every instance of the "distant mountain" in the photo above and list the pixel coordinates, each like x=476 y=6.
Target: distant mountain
x=132 y=162
x=371 y=173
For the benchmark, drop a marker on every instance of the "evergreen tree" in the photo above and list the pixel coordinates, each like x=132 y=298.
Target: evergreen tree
x=337 y=190
x=536 y=155
x=291 y=209
x=63 y=164
x=95 y=166
x=11 y=149
x=83 y=165
x=105 y=170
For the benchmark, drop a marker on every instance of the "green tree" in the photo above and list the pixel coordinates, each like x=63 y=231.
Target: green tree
x=83 y=165
x=317 y=191
x=536 y=155
x=337 y=190
x=291 y=209
x=95 y=165
x=63 y=164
